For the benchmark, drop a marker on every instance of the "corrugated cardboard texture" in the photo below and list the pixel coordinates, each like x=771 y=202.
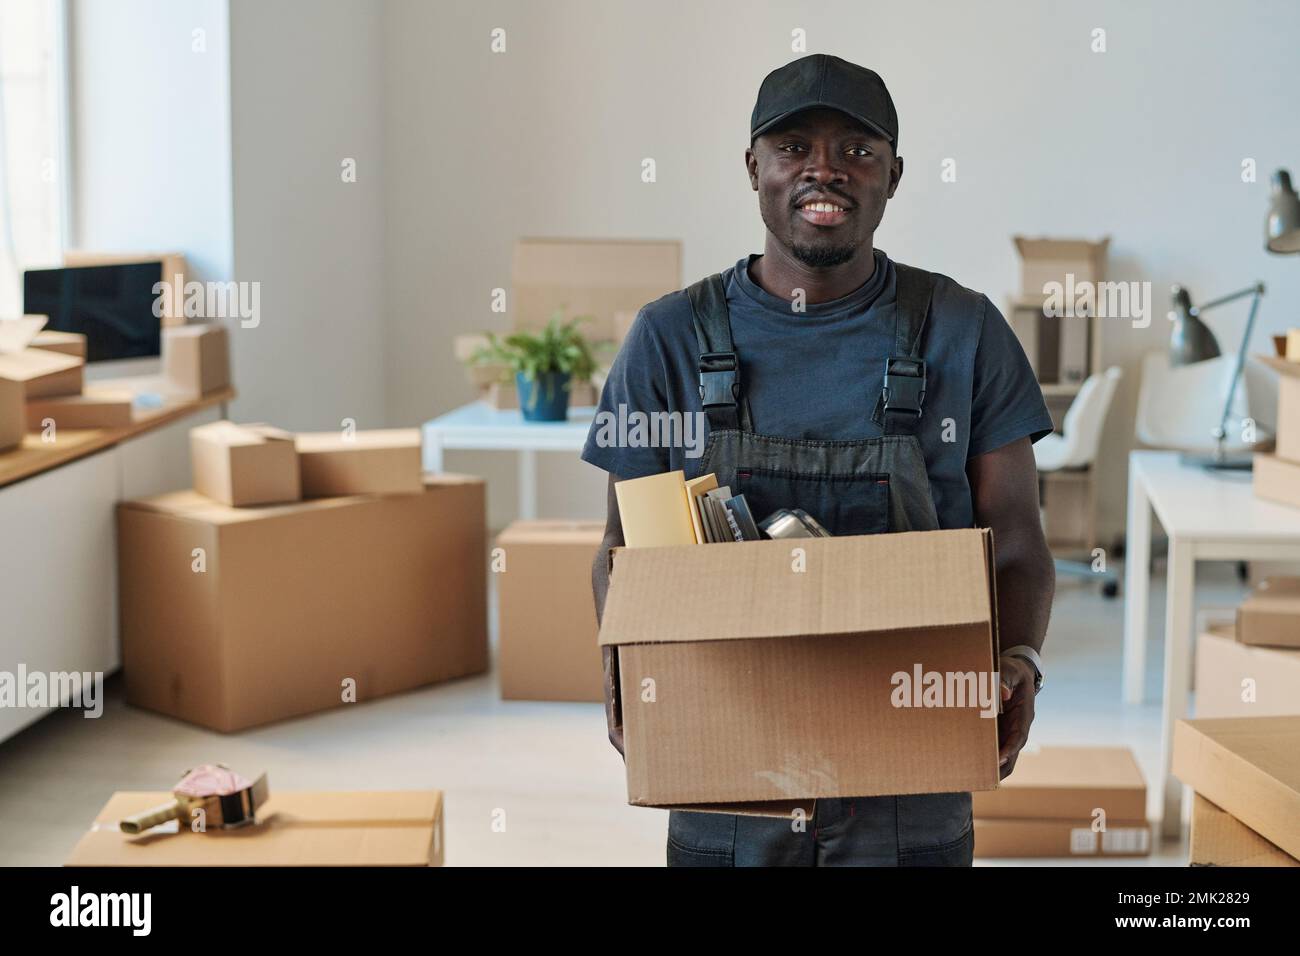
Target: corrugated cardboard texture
x=1220 y=839
x=96 y=407
x=1276 y=479
x=547 y=646
x=389 y=591
x=383 y=461
x=1068 y=783
x=13 y=424
x=1270 y=615
x=590 y=277
x=1000 y=839
x=44 y=374
x=1248 y=766
x=196 y=358
x=1224 y=666
x=244 y=464
x=857 y=584
x=294 y=828
x=761 y=720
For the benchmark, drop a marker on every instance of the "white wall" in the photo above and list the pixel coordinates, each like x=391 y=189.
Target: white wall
x=305 y=94
x=1143 y=142
x=150 y=129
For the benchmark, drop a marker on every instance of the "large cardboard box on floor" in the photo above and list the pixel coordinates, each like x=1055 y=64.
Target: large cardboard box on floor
x=546 y=616
x=293 y=828
x=1068 y=783
x=382 y=461
x=1248 y=766
x=234 y=617
x=245 y=464
x=1002 y=839
x=1237 y=680
x=1270 y=615
x=1276 y=479
x=1220 y=839
x=764 y=671
x=598 y=278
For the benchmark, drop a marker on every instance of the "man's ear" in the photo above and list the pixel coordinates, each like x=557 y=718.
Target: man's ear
x=895 y=175
x=751 y=164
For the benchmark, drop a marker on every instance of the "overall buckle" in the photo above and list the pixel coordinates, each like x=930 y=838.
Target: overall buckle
x=719 y=378
x=904 y=385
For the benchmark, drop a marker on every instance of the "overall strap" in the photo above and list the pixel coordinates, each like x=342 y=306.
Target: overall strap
x=720 y=391
x=898 y=409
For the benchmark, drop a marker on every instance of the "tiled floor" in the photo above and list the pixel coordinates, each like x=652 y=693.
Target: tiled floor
x=547 y=767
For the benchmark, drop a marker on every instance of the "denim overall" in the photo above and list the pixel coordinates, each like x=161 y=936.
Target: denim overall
x=854 y=486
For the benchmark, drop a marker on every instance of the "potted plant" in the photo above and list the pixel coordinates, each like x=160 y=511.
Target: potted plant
x=545 y=364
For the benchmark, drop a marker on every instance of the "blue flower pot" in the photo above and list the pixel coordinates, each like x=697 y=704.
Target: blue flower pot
x=546 y=399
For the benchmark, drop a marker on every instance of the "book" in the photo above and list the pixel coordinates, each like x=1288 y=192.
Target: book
x=742 y=522
x=695 y=489
x=654 y=510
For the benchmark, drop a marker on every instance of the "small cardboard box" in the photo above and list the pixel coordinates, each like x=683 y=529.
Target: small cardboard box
x=13 y=423
x=69 y=343
x=1288 y=406
x=1220 y=839
x=591 y=277
x=293 y=828
x=196 y=359
x=235 y=617
x=765 y=671
x=1270 y=615
x=1043 y=261
x=382 y=461
x=546 y=615
x=1068 y=783
x=1276 y=479
x=1000 y=839
x=244 y=464
x=1237 y=680
x=1248 y=766
x=44 y=374
x=99 y=406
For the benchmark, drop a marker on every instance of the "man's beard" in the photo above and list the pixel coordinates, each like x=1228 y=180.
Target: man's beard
x=821 y=256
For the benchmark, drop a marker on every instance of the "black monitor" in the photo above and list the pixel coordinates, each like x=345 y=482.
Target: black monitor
x=111 y=305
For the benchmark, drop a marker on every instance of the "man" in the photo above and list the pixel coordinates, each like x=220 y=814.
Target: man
x=875 y=396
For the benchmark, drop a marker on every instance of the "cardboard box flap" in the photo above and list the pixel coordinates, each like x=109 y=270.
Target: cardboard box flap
x=855 y=584
x=1043 y=248
x=32 y=364
x=234 y=435
x=17 y=333
x=552 y=531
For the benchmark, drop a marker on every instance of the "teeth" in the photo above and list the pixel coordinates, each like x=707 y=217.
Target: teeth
x=823 y=207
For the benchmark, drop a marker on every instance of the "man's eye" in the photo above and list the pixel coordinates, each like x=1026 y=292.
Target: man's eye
x=859 y=150
x=791 y=146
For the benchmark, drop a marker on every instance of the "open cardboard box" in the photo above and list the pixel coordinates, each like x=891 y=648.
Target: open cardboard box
x=759 y=676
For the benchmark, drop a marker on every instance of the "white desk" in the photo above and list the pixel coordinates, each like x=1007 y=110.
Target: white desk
x=480 y=426
x=1209 y=516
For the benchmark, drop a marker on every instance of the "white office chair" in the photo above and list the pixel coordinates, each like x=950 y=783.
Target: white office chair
x=1075 y=448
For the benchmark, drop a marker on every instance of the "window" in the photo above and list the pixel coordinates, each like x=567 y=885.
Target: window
x=32 y=136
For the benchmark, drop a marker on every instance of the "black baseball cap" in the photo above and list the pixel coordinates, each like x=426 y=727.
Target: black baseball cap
x=822 y=80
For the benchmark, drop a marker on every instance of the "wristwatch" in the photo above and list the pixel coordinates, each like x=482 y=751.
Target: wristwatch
x=1027 y=653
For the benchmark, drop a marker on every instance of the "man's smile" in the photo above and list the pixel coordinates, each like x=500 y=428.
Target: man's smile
x=823 y=212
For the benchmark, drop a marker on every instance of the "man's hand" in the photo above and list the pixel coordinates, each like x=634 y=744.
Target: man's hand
x=613 y=719
x=600 y=587
x=1017 y=711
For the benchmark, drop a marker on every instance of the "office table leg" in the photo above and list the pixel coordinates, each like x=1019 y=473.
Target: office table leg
x=527 y=484
x=1137 y=587
x=1178 y=656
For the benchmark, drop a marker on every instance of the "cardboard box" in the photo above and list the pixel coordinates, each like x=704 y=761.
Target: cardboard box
x=503 y=396
x=1068 y=783
x=783 y=671
x=44 y=374
x=1236 y=680
x=1276 y=479
x=68 y=343
x=244 y=464
x=590 y=277
x=1248 y=766
x=196 y=359
x=1001 y=839
x=99 y=406
x=13 y=423
x=546 y=616
x=1045 y=260
x=1220 y=839
x=294 y=601
x=1288 y=406
x=1270 y=615
x=294 y=828
x=382 y=461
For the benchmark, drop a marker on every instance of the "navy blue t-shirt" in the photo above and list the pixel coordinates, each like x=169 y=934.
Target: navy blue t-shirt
x=816 y=374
